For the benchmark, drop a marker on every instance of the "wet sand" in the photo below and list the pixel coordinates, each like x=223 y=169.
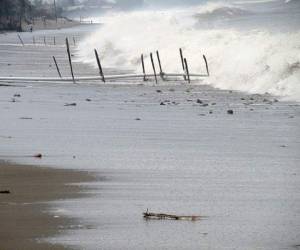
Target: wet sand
x=172 y=148
x=25 y=212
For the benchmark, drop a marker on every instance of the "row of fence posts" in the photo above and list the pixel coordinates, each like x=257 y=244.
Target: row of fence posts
x=54 y=41
x=184 y=64
x=70 y=62
x=45 y=40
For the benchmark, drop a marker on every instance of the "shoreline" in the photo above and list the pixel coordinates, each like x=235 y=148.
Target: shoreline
x=25 y=214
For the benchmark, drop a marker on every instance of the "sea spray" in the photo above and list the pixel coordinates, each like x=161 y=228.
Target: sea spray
x=255 y=60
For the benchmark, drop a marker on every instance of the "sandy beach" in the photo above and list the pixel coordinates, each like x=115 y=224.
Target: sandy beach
x=174 y=147
x=25 y=212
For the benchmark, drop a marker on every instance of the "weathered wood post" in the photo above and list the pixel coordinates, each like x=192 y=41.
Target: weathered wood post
x=45 y=40
x=57 y=68
x=153 y=66
x=74 y=41
x=54 y=40
x=182 y=63
x=70 y=59
x=21 y=40
x=187 y=70
x=161 y=73
x=143 y=65
x=206 y=64
x=33 y=40
x=99 y=66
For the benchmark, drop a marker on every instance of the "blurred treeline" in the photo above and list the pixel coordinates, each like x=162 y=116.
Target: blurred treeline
x=15 y=13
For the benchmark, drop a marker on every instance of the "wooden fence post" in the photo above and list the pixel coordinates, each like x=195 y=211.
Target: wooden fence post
x=206 y=64
x=21 y=40
x=182 y=63
x=57 y=68
x=159 y=64
x=153 y=66
x=143 y=65
x=187 y=70
x=70 y=59
x=99 y=66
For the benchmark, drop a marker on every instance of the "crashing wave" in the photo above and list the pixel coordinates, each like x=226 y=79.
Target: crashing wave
x=216 y=10
x=255 y=61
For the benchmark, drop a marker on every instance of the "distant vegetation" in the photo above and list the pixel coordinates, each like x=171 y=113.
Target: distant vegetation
x=16 y=13
x=12 y=12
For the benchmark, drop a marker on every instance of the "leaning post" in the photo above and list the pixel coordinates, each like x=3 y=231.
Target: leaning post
x=70 y=59
x=143 y=66
x=153 y=66
x=182 y=63
x=57 y=68
x=21 y=40
x=206 y=64
x=161 y=73
x=99 y=65
x=187 y=70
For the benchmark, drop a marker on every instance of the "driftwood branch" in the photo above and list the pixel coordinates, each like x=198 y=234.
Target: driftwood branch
x=162 y=216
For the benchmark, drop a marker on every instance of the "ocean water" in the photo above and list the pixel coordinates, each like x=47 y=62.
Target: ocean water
x=251 y=46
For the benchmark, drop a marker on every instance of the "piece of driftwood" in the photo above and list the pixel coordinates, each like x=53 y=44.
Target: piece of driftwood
x=4 y=192
x=38 y=156
x=162 y=216
x=70 y=104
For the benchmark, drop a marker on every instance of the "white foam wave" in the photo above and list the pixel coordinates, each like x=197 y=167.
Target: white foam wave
x=254 y=61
